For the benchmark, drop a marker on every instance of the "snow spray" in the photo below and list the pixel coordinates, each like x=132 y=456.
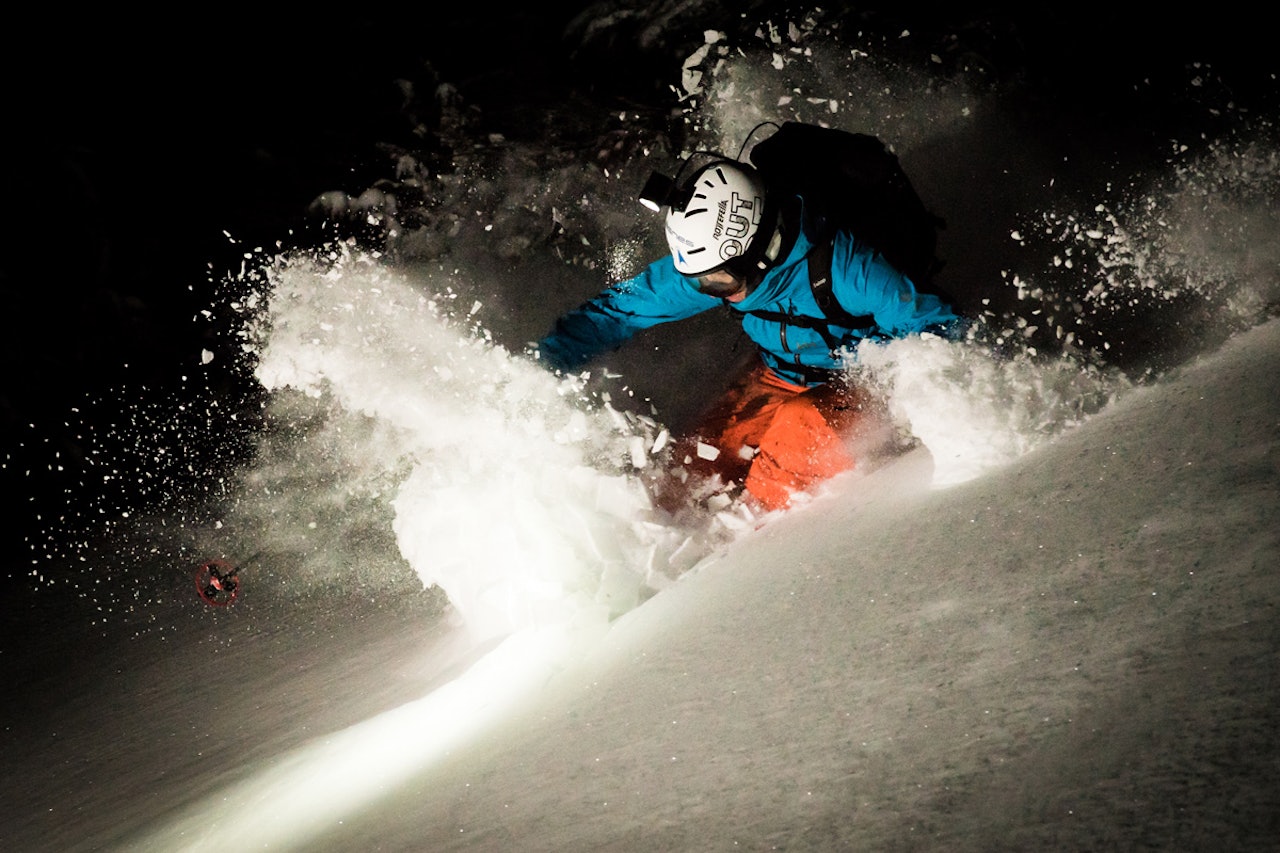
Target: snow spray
x=508 y=490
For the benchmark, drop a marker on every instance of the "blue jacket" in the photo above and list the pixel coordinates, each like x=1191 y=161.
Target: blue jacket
x=862 y=281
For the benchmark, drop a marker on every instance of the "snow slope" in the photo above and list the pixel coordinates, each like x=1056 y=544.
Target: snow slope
x=1074 y=651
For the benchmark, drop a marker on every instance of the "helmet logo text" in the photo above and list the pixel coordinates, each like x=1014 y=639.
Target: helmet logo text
x=734 y=218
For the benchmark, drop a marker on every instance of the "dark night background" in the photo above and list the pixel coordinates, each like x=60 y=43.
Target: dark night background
x=134 y=142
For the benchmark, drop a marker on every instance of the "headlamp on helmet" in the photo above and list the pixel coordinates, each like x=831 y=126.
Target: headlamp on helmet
x=661 y=191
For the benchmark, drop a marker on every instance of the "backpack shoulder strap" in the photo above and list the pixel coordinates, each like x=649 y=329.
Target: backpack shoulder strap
x=820 y=282
x=833 y=313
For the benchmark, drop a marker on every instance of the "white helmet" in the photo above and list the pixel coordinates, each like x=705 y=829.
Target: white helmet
x=720 y=220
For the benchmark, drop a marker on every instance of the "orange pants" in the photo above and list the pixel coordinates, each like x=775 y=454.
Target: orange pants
x=772 y=437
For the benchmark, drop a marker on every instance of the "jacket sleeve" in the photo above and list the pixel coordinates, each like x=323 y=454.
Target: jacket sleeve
x=657 y=295
x=865 y=283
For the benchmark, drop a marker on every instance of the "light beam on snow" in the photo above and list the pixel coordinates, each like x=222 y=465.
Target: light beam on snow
x=512 y=495
x=314 y=789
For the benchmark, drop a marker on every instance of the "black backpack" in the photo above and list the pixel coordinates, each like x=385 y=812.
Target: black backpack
x=852 y=182
x=849 y=181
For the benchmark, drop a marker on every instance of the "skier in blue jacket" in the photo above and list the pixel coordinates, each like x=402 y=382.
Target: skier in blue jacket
x=789 y=424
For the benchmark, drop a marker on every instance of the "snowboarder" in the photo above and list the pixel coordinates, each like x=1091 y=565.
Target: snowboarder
x=807 y=298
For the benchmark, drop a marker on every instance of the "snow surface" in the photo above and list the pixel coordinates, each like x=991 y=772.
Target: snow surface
x=1051 y=624
x=1074 y=650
